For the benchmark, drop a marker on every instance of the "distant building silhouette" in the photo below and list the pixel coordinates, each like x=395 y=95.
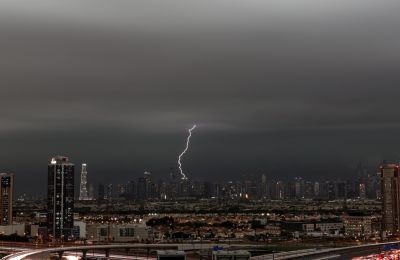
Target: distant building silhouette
x=141 y=189
x=83 y=192
x=110 y=192
x=100 y=192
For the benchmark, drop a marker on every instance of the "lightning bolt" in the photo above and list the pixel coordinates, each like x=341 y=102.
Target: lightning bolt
x=184 y=151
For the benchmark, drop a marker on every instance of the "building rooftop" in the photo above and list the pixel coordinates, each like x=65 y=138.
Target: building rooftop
x=59 y=160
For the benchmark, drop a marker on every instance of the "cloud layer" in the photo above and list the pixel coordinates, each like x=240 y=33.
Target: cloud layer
x=272 y=84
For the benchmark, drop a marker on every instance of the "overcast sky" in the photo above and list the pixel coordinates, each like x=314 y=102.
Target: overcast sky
x=287 y=88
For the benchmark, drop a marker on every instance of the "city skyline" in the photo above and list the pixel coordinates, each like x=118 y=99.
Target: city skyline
x=165 y=175
x=89 y=188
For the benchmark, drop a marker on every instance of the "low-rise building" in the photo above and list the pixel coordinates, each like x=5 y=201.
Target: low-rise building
x=358 y=225
x=273 y=230
x=118 y=232
x=18 y=229
x=299 y=226
x=37 y=230
x=79 y=229
x=314 y=228
x=329 y=226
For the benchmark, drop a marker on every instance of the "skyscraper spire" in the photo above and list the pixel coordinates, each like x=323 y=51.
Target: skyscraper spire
x=83 y=193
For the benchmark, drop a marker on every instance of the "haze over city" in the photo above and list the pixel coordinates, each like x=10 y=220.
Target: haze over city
x=199 y=129
x=285 y=88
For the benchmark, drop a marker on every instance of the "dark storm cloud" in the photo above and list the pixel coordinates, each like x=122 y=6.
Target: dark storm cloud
x=117 y=84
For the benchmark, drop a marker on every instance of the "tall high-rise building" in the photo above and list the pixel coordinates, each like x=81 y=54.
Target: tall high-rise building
x=101 y=192
x=91 y=192
x=141 y=189
x=316 y=189
x=83 y=193
x=299 y=187
x=6 y=198
x=279 y=190
x=264 y=187
x=390 y=181
x=131 y=190
x=147 y=176
x=60 y=198
x=110 y=192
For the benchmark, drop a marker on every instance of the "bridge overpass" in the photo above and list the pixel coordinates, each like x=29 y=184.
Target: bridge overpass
x=312 y=254
x=328 y=253
x=106 y=249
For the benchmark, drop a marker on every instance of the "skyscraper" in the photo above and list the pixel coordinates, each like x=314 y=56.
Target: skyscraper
x=6 y=198
x=110 y=192
x=83 y=193
x=60 y=198
x=141 y=189
x=316 y=189
x=91 y=192
x=264 y=186
x=131 y=190
x=279 y=190
x=299 y=187
x=390 y=182
x=100 y=192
